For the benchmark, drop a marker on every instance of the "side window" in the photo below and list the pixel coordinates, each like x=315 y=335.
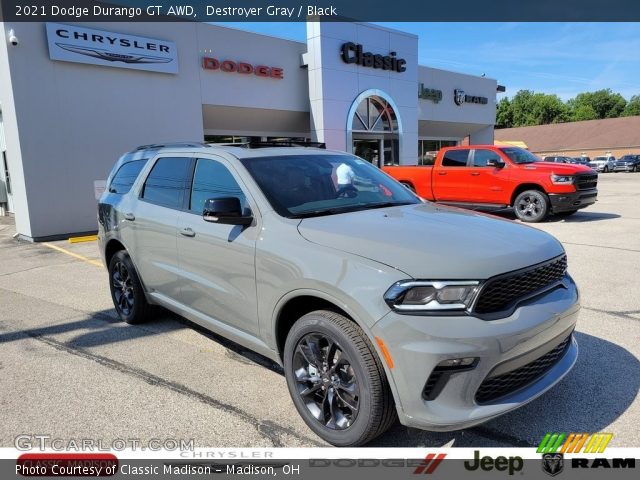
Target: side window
x=126 y=176
x=480 y=157
x=166 y=181
x=213 y=180
x=455 y=158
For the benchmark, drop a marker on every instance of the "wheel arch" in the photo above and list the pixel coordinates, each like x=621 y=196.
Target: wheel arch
x=524 y=187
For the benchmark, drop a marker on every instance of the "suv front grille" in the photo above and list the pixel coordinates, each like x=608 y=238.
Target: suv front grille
x=493 y=388
x=587 y=181
x=499 y=293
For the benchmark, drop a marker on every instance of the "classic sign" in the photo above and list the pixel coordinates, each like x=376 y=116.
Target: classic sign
x=353 y=53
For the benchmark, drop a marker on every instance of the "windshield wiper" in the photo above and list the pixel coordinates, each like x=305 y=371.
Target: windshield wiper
x=347 y=208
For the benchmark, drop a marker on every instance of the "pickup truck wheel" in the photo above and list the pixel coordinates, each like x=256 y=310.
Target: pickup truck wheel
x=606 y=169
x=336 y=380
x=126 y=289
x=409 y=186
x=531 y=206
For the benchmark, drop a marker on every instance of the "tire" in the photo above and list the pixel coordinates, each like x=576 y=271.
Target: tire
x=606 y=170
x=531 y=206
x=409 y=186
x=126 y=290
x=356 y=405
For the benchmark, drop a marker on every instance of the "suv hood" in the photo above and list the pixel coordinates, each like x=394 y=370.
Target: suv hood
x=557 y=168
x=428 y=241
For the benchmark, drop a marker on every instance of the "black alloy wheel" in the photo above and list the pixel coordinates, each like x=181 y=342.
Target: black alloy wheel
x=122 y=288
x=127 y=292
x=326 y=381
x=336 y=380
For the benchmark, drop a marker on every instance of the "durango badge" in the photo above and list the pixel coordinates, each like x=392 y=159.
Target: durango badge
x=552 y=463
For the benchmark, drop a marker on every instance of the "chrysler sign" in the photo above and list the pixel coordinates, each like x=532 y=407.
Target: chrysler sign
x=70 y=43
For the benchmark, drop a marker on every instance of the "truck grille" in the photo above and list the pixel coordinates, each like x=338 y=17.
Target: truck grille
x=492 y=388
x=499 y=293
x=587 y=181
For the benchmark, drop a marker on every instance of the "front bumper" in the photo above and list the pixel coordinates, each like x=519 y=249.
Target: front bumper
x=563 y=202
x=624 y=168
x=418 y=344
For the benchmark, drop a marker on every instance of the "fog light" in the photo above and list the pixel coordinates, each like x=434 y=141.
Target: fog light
x=457 y=362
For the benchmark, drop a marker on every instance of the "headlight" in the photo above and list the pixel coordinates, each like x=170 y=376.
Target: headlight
x=432 y=296
x=561 y=179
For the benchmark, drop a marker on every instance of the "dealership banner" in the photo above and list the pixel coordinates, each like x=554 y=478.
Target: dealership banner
x=71 y=43
x=324 y=10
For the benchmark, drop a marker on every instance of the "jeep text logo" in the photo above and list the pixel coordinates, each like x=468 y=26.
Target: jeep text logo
x=500 y=464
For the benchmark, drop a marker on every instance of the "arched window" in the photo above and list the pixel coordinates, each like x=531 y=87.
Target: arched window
x=374 y=114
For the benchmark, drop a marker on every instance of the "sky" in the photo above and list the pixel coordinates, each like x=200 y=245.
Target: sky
x=556 y=58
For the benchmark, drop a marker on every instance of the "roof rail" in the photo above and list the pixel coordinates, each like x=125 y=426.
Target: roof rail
x=156 y=146
x=272 y=143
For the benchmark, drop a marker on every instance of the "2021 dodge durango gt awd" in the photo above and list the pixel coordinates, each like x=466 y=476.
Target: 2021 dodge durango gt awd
x=379 y=305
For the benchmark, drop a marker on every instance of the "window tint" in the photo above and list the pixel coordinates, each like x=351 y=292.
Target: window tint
x=165 y=183
x=480 y=157
x=455 y=158
x=126 y=175
x=213 y=180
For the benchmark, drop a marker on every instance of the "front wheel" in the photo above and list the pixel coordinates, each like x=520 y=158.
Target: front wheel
x=606 y=170
x=336 y=380
x=531 y=206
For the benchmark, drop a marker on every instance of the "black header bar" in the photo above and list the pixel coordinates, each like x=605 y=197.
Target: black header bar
x=327 y=10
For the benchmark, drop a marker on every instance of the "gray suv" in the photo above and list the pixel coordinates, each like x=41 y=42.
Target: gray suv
x=379 y=305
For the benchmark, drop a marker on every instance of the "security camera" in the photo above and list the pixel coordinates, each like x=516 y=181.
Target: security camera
x=12 y=38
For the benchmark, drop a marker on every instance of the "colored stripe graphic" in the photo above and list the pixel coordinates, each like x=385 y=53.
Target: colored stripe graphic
x=597 y=442
x=430 y=463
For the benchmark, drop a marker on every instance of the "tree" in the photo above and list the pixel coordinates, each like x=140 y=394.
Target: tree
x=504 y=114
x=529 y=108
x=604 y=102
x=583 y=112
x=633 y=107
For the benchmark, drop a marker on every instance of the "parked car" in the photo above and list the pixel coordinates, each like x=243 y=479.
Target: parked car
x=581 y=160
x=490 y=177
x=628 y=163
x=558 y=159
x=378 y=305
x=603 y=164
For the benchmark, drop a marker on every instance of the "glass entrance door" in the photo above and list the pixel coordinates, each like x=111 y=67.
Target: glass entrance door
x=369 y=149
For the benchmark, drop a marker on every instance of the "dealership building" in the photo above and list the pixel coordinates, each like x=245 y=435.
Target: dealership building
x=74 y=97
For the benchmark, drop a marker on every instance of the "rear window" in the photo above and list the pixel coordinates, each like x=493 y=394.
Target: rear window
x=126 y=176
x=455 y=158
x=165 y=184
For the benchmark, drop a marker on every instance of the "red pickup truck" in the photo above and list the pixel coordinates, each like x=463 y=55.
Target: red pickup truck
x=492 y=177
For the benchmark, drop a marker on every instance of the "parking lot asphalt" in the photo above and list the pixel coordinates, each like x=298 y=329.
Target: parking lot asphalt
x=70 y=369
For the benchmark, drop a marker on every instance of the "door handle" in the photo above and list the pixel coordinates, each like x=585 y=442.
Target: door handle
x=129 y=216
x=475 y=174
x=442 y=173
x=187 y=232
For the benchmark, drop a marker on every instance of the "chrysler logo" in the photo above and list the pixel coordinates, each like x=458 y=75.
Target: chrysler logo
x=112 y=56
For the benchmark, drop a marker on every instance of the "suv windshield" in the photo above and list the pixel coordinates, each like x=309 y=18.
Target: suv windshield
x=299 y=186
x=520 y=155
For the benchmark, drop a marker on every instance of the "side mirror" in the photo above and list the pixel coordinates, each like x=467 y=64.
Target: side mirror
x=495 y=162
x=226 y=210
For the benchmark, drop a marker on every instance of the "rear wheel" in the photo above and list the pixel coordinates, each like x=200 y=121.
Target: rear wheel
x=126 y=289
x=409 y=186
x=531 y=206
x=336 y=379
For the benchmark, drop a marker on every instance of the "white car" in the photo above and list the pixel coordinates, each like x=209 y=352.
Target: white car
x=603 y=164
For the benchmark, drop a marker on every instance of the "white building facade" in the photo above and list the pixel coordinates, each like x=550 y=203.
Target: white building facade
x=73 y=98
